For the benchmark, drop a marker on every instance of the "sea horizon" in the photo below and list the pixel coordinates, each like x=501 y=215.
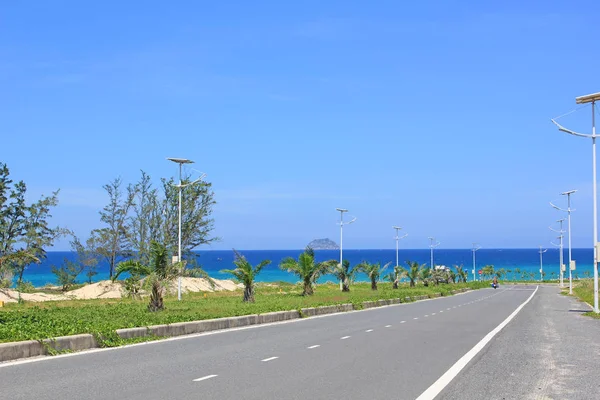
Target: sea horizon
x=527 y=260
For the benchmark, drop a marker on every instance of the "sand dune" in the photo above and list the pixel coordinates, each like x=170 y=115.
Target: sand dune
x=114 y=290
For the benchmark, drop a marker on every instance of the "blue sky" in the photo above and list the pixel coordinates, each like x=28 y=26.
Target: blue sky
x=430 y=115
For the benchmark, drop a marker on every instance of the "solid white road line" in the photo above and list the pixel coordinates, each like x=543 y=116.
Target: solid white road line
x=205 y=378
x=344 y=337
x=269 y=359
x=314 y=346
x=445 y=379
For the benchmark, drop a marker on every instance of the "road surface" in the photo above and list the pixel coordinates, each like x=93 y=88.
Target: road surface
x=395 y=352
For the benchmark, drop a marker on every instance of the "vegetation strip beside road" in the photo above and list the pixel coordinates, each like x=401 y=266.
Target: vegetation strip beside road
x=584 y=291
x=102 y=317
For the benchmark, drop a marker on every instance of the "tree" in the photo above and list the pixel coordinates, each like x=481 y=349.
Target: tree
x=461 y=273
x=398 y=274
x=487 y=271
x=87 y=256
x=196 y=221
x=413 y=272
x=425 y=275
x=113 y=240
x=245 y=273
x=306 y=269
x=24 y=229
x=146 y=219
x=67 y=274
x=344 y=273
x=136 y=271
x=373 y=271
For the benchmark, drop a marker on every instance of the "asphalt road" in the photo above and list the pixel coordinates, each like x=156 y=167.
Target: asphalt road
x=393 y=352
x=549 y=351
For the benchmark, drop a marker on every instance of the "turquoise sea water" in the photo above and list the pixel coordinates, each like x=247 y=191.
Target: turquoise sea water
x=215 y=260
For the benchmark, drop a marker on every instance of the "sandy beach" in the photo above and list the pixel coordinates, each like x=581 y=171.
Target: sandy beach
x=114 y=290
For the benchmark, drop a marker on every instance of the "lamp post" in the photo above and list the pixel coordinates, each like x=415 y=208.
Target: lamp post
x=568 y=210
x=475 y=248
x=542 y=264
x=342 y=211
x=397 y=228
x=431 y=247
x=180 y=161
x=590 y=98
x=560 y=246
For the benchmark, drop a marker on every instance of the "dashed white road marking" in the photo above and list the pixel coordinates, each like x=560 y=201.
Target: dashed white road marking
x=205 y=378
x=369 y=330
x=388 y=326
x=432 y=313
x=426 y=315
x=402 y=322
x=344 y=337
x=314 y=346
x=269 y=359
x=416 y=318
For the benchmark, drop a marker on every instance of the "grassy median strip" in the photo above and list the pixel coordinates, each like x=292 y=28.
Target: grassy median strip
x=102 y=317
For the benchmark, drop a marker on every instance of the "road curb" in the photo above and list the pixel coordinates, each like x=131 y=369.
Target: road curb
x=32 y=348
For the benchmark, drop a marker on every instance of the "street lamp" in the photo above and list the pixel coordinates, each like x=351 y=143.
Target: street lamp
x=590 y=98
x=342 y=211
x=180 y=161
x=431 y=247
x=560 y=246
x=397 y=228
x=541 y=264
x=568 y=210
x=474 y=249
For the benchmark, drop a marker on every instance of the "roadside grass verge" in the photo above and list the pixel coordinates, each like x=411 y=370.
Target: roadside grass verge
x=102 y=317
x=584 y=290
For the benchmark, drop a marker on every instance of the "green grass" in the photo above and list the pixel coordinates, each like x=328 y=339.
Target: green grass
x=35 y=321
x=584 y=291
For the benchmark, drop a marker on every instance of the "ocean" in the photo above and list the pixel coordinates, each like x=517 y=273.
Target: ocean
x=213 y=261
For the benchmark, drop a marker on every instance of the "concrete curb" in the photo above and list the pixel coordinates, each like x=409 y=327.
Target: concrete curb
x=32 y=348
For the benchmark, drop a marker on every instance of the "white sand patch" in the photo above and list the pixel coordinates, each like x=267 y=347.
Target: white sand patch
x=99 y=290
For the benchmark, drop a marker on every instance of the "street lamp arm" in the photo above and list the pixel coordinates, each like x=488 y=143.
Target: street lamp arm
x=558 y=208
x=563 y=129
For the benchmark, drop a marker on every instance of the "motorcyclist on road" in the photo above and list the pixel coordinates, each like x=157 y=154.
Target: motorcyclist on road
x=495 y=282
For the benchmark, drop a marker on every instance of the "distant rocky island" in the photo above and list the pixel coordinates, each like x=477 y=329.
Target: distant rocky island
x=323 y=244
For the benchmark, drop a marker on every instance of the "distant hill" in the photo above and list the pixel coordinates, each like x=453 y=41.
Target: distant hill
x=323 y=244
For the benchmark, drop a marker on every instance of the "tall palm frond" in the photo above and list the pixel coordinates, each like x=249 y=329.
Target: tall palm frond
x=373 y=271
x=306 y=269
x=245 y=273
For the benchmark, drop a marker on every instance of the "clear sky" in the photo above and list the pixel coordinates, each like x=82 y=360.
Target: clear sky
x=432 y=115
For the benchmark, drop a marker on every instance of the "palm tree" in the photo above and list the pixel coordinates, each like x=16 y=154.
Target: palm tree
x=136 y=271
x=344 y=273
x=373 y=271
x=488 y=271
x=451 y=276
x=306 y=268
x=413 y=272
x=399 y=273
x=425 y=274
x=461 y=273
x=245 y=273
x=395 y=276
